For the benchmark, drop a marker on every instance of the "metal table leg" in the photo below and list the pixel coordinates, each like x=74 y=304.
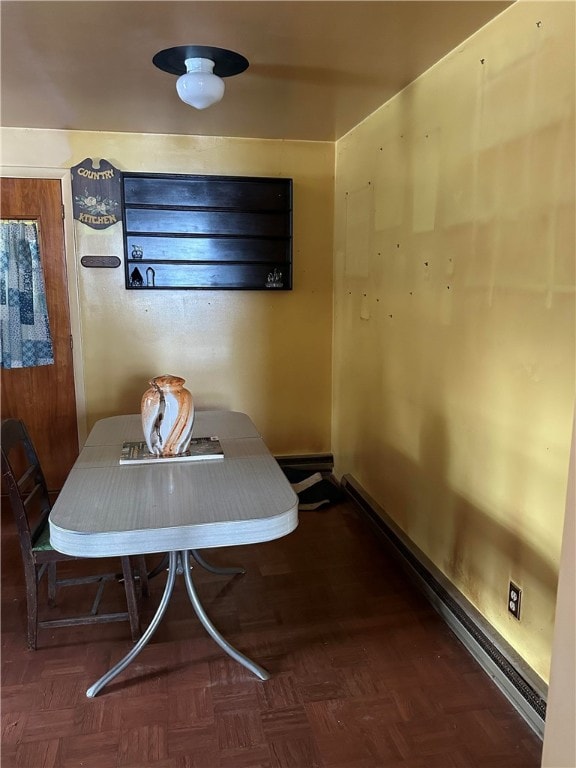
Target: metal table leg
x=260 y=672
x=179 y=562
x=123 y=663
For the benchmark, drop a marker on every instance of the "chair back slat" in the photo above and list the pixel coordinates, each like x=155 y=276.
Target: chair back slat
x=30 y=472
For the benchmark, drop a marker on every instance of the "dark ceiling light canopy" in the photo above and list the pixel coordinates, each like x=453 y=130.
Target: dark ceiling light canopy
x=200 y=69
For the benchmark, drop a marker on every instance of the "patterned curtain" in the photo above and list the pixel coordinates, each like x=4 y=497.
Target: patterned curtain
x=25 y=331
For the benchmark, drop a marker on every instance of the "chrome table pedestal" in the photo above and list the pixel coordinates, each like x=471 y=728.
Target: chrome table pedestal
x=179 y=563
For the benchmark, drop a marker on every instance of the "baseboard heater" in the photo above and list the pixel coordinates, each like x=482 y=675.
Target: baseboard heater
x=315 y=462
x=525 y=691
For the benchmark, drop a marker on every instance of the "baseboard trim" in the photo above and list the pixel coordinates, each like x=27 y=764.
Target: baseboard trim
x=521 y=686
x=315 y=462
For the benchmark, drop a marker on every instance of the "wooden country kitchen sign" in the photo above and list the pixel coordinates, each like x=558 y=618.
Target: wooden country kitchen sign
x=96 y=193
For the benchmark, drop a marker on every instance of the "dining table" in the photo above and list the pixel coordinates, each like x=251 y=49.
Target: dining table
x=175 y=507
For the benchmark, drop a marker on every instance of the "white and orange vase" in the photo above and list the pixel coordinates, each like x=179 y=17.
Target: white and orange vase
x=167 y=416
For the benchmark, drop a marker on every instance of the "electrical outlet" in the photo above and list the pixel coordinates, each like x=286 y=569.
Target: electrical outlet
x=514 y=600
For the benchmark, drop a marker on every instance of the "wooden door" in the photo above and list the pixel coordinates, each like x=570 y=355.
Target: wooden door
x=43 y=396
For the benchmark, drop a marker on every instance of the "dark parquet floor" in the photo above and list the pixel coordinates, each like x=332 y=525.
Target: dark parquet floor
x=365 y=673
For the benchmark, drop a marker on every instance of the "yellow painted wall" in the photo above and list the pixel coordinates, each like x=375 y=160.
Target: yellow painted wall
x=266 y=354
x=454 y=312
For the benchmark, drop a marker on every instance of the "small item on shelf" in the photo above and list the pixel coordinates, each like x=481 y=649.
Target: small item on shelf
x=136 y=277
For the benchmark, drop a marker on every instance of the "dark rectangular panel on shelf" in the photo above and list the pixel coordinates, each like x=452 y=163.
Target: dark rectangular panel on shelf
x=207 y=232
x=198 y=222
x=171 y=248
x=208 y=192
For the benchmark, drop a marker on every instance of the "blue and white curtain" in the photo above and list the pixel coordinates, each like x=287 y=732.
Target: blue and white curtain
x=25 y=331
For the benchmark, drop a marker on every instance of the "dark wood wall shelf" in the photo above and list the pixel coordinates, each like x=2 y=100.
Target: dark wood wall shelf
x=207 y=232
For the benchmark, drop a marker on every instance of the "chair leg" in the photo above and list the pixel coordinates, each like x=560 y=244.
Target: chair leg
x=143 y=572
x=131 y=599
x=51 y=584
x=31 y=577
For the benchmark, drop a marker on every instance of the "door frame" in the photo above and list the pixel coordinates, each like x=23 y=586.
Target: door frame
x=65 y=177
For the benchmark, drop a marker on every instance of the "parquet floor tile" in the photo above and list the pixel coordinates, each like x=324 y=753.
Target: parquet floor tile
x=365 y=674
x=90 y=750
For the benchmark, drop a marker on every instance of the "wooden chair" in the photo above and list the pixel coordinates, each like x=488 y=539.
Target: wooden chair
x=30 y=502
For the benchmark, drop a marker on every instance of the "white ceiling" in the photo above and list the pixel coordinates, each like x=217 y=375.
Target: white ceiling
x=317 y=68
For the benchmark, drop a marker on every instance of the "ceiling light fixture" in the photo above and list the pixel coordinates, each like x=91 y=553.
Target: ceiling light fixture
x=201 y=68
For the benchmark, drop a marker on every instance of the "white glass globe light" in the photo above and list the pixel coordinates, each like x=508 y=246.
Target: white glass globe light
x=200 y=87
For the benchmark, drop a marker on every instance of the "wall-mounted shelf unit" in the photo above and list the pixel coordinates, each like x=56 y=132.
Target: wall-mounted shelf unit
x=207 y=232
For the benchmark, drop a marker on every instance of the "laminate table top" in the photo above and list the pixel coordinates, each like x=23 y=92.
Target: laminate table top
x=106 y=508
